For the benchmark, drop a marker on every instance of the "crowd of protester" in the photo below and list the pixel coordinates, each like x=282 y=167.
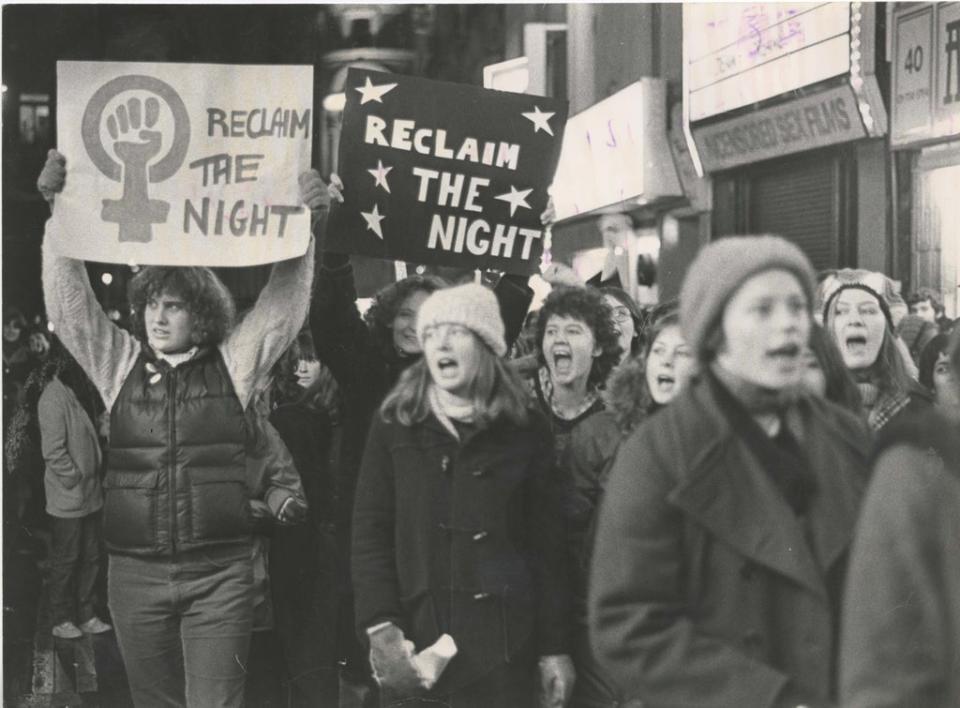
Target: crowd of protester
x=749 y=497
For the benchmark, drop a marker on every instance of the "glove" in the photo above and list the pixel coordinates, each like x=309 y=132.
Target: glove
x=556 y=680
x=561 y=274
x=391 y=657
x=292 y=511
x=53 y=176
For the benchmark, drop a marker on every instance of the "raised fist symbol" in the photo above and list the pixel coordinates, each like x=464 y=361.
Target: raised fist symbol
x=134 y=211
x=137 y=141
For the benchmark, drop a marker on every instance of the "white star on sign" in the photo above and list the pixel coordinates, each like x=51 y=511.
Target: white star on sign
x=373 y=219
x=369 y=92
x=380 y=175
x=515 y=198
x=539 y=119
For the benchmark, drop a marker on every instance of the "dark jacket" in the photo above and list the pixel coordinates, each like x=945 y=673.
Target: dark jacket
x=706 y=588
x=901 y=624
x=176 y=475
x=464 y=538
x=365 y=372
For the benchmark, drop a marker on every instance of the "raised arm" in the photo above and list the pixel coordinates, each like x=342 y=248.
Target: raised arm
x=104 y=351
x=261 y=338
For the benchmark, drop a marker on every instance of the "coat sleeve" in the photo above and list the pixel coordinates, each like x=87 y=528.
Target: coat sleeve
x=545 y=529
x=51 y=415
x=339 y=332
x=582 y=465
x=104 y=351
x=373 y=559
x=514 y=296
x=261 y=338
x=895 y=648
x=642 y=629
x=274 y=477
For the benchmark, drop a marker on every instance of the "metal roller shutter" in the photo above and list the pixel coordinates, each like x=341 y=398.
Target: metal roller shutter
x=799 y=199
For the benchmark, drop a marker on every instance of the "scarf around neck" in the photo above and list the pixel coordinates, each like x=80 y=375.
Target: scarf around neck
x=449 y=408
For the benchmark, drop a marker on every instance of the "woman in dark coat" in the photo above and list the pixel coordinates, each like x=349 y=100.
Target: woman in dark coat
x=636 y=389
x=367 y=354
x=725 y=524
x=859 y=320
x=308 y=581
x=457 y=524
x=901 y=625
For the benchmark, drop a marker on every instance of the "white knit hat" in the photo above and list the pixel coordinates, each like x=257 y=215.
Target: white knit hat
x=471 y=305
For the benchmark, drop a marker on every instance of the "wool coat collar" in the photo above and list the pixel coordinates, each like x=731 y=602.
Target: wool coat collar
x=727 y=491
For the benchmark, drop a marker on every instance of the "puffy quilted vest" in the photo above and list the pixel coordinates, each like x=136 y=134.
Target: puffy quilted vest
x=176 y=468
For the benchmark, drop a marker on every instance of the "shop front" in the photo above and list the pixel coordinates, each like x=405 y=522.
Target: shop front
x=925 y=135
x=783 y=111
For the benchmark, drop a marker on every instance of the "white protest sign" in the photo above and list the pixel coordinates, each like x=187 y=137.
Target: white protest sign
x=182 y=164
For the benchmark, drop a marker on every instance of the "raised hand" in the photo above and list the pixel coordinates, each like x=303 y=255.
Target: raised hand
x=53 y=176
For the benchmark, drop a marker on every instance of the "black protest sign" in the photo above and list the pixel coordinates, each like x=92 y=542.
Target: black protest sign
x=444 y=173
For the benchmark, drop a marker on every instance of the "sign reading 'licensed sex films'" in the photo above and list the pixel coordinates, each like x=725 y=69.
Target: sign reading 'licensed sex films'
x=444 y=173
x=182 y=164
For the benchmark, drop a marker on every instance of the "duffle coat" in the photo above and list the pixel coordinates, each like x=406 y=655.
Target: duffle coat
x=465 y=538
x=706 y=588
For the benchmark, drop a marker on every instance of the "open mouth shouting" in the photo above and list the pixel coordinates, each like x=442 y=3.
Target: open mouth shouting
x=562 y=359
x=787 y=354
x=448 y=367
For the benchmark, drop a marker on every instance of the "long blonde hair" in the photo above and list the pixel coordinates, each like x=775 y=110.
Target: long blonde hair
x=496 y=391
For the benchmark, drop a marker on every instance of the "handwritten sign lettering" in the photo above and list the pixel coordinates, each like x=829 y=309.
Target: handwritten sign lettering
x=742 y=53
x=444 y=173
x=182 y=164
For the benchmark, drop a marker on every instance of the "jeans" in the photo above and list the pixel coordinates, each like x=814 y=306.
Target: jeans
x=74 y=567
x=183 y=625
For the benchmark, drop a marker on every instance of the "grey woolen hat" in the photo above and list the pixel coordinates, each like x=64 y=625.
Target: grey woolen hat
x=720 y=268
x=470 y=305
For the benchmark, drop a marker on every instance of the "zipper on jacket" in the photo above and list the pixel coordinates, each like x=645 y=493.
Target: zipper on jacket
x=172 y=454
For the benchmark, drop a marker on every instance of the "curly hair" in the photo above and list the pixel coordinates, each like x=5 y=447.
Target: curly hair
x=388 y=301
x=207 y=299
x=587 y=305
x=666 y=314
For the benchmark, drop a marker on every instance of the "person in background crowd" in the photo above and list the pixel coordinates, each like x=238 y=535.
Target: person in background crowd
x=627 y=321
x=176 y=518
x=826 y=375
x=586 y=464
x=457 y=523
x=276 y=501
x=721 y=539
x=915 y=333
x=901 y=619
x=668 y=360
x=937 y=375
x=307 y=568
x=926 y=304
x=67 y=411
x=577 y=347
x=22 y=481
x=859 y=320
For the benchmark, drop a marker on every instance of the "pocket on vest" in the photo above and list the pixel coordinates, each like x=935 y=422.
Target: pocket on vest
x=130 y=509
x=218 y=505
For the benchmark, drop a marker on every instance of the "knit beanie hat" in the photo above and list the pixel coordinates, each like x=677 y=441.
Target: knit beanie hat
x=720 y=268
x=884 y=306
x=471 y=305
